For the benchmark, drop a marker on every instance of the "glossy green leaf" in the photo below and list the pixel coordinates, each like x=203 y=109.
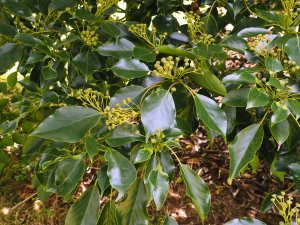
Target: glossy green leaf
x=121 y=172
x=49 y=73
x=280 y=131
x=197 y=190
x=12 y=79
x=235 y=42
x=273 y=81
x=165 y=23
x=119 y=49
x=292 y=48
x=159 y=181
x=133 y=92
x=28 y=39
x=243 y=76
x=245 y=221
x=208 y=51
x=257 y=98
x=17 y=8
x=8 y=30
x=280 y=113
x=86 y=62
x=10 y=53
x=144 y=54
x=152 y=165
x=92 y=146
x=243 y=148
x=167 y=163
x=68 y=173
x=85 y=209
x=130 y=69
x=294 y=106
x=273 y=65
x=108 y=214
x=84 y=14
x=111 y=29
x=103 y=179
x=170 y=221
x=237 y=97
x=68 y=124
x=9 y=126
x=171 y=50
x=31 y=145
x=123 y=134
x=143 y=153
x=252 y=32
x=158 y=112
x=211 y=114
x=132 y=210
x=59 y=5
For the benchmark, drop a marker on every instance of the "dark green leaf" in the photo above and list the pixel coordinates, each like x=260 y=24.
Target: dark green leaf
x=31 y=145
x=8 y=30
x=167 y=163
x=28 y=39
x=111 y=29
x=197 y=190
x=84 y=14
x=10 y=53
x=17 y=8
x=294 y=106
x=130 y=69
x=68 y=173
x=280 y=113
x=108 y=214
x=103 y=180
x=252 y=32
x=211 y=114
x=132 y=210
x=9 y=126
x=143 y=153
x=120 y=49
x=292 y=48
x=243 y=148
x=144 y=54
x=158 y=112
x=257 y=98
x=86 y=62
x=280 y=131
x=237 y=97
x=59 y=5
x=49 y=73
x=121 y=172
x=123 y=134
x=273 y=65
x=235 y=42
x=165 y=24
x=85 y=209
x=159 y=181
x=92 y=146
x=133 y=92
x=68 y=124
x=152 y=164
x=36 y=57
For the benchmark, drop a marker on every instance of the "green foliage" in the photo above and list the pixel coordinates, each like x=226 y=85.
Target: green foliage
x=99 y=84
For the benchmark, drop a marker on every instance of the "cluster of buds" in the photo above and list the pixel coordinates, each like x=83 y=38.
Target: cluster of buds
x=170 y=68
x=118 y=115
x=286 y=208
x=157 y=139
x=3 y=39
x=103 y=5
x=89 y=37
x=21 y=26
x=291 y=66
x=197 y=30
x=90 y=97
x=151 y=38
x=260 y=46
x=291 y=8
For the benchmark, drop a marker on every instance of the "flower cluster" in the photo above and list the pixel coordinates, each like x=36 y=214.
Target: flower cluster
x=90 y=97
x=103 y=5
x=151 y=39
x=260 y=45
x=21 y=26
x=197 y=30
x=291 y=8
x=285 y=208
x=118 y=115
x=291 y=66
x=89 y=37
x=170 y=68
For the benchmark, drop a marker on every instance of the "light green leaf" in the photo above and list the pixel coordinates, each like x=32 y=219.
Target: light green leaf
x=273 y=65
x=237 y=97
x=292 y=48
x=252 y=32
x=245 y=221
x=123 y=134
x=280 y=113
x=12 y=79
x=211 y=114
x=68 y=124
x=108 y=214
x=68 y=173
x=132 y=210
x=280 y=131
x=159 y=181
x=294 y=106
x=197 y=190
x=243 y=148
x=144 y=54
x=273 y=81
x=158 y=112
x=9 y=126
x=121 y=172
x=257 y=98
x=130 y=69
x=141 y=153
x=120 y=49
x=85 y=209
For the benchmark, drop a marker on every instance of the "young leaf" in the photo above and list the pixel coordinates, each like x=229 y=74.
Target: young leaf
x=158 y=112
x=132 y=210
x=245 y=221
x=68 y=173
x=159 y=181
x=85 y=209
x=197 y=190
x=257 y=98
x=121 y=172
x=280 y=131
x=211 y=114
x=108 y=214
x=130 y=69
x=243 y=148
x=68 y=124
